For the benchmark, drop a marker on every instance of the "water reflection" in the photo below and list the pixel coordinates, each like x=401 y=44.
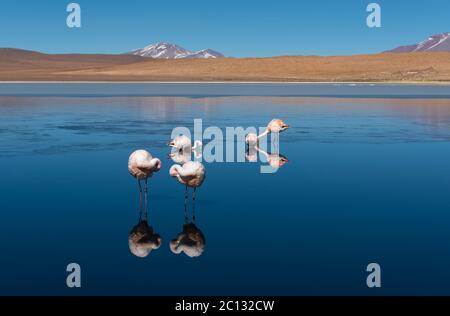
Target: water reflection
x=142 y=239
x=191 y=241
x=275 y=160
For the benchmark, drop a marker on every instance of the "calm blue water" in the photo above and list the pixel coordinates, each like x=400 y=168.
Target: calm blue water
x=368 y=180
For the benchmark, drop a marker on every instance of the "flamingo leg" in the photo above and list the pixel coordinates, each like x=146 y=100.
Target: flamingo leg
x=140 y=200
x=185 y=204
x=193 y=206
x=276 y=140
x=146 y=199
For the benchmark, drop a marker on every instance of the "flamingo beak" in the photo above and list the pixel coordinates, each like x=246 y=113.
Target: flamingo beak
x=171 y=143
x=285 y=126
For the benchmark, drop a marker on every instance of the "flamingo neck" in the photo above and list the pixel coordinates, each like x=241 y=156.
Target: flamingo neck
x=154 y=163
x=263 y=152
x=264 y=134
x=177 y=170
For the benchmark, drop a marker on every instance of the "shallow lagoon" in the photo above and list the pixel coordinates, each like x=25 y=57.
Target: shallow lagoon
x=368 y=180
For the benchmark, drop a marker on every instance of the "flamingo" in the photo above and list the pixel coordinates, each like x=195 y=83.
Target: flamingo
x=184 y=142
x=274 y=126
x=251 y=139
x=180 y=156
x=251 y=154
x=191 y=174
x=141 y=166
x=275 y=160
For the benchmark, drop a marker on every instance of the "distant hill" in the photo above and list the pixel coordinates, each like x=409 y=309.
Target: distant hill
x=434 y=43
x=18 y=64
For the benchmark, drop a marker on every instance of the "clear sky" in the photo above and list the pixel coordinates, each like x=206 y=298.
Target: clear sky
x=234 y=27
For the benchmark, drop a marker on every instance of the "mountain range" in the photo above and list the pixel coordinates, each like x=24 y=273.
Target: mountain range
x=434 y=43
x=427 y=61
x=164 y=50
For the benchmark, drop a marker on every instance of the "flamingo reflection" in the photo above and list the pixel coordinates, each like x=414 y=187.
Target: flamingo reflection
x=191 y=241
x=275 y=160
x=251 y=154
x=142 y=239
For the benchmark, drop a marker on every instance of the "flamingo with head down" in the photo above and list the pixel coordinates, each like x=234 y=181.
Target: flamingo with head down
x=141 y=166
x=274 y=126
x=180 y=156
x=191 y=174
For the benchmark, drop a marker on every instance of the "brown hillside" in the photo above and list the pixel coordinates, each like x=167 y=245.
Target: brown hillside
x=29 y=66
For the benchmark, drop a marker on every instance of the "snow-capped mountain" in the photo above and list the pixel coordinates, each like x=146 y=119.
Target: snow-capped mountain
x=205 y=53
x=165 y=50
x=435 y=43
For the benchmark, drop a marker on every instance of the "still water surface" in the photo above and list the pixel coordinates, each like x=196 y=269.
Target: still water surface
x=368 y=180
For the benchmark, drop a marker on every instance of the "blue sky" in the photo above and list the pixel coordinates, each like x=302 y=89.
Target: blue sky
x=234 y=27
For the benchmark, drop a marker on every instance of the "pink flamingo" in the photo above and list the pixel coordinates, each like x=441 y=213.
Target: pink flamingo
x=274 y=126
x=141 y=166
x=180 y=156
x=191 y=174
x=183 y=142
